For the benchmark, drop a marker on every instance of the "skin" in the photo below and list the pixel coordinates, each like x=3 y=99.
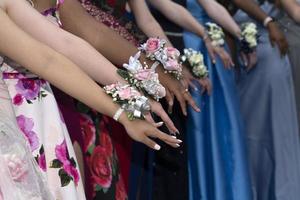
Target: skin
x=292 y=7
x=62 y=72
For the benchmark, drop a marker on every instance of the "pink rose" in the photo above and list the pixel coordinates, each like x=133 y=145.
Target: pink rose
x=172 y=65
x=110 y=87
x=105 y=142
x=152 y=45
x=125 y=93
x=143 y=74
x=88 y=131
x=172 y=52
x=26 y=125
x=18 y=100
x=101 y=168
x=16 y=166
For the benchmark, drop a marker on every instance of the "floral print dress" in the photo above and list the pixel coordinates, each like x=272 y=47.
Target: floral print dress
x=41 y=123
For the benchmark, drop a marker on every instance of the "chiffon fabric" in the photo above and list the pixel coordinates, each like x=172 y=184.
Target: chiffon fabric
x=269 y=109
x=218 y=168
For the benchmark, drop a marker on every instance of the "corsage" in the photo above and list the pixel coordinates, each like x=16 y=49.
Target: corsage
x=215 y=33
x=195 y=61
x=249 y=39
x=134 y=104
x=144 y=79
x=156 y=50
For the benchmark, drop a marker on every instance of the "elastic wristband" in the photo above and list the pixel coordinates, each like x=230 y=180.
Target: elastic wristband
x=267 y=21
x=118 y=113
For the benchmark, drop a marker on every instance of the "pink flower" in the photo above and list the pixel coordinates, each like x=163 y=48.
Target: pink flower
x=101 y=168
x=143 y=74
x=110 y=87
x=73 y=172
x=172 y=65
x=172 y=52
x=88 y=130
x=61 y=153
x=18 y=100
x=152 y=45
x=105 y=142
x=125 y=93
x=42 y=162
x=26 y=125
x=16 y=166
x=28 y=88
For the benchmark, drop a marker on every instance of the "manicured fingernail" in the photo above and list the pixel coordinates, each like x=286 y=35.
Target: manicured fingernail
x=177 y=132
x=174 y=137
x=157 y=147
x=198 y=110
x=160 y=123
x=177 y=145
x=180 y=141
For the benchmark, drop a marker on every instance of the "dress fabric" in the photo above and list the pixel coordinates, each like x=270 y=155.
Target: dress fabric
x=40 y=121
x=269 y=109
x=21 y=177
x=292 y=32
x=217 y=161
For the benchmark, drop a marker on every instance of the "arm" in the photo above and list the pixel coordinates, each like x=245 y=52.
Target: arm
x=145 y=21
x=65 y=75
x=292 y=8
x=275 y=35
x=74 y=48
x=219 y=14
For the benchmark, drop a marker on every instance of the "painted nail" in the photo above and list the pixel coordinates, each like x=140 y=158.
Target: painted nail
x=174 y=137
x=177 y=145
x=160 y=123
x=180 y=141
x=157 y=147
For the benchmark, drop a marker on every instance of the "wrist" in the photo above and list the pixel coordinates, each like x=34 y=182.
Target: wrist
x=267 y=21
x=123 y=119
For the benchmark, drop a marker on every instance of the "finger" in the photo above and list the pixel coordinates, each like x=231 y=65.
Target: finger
x=164 y=137
x=158 y=124
x=272 y=41
x=212 y=56
x=149 y=119
x=150 y=143
x=192 y=85
x=170 y=101
x=173 y=145
x=166 y=119
x=191 y=102
x=244 y=59
x=182 y=103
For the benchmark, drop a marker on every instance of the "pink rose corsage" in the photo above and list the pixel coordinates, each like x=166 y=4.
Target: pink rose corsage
x=131 y=100
x=156 y=50
x=144 y=79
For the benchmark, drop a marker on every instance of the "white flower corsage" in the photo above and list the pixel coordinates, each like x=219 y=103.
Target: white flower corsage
x=249 y=39
x=215 y=33
x=143 y=78
x=156 y=50
x=135 y=105
x=194 y=59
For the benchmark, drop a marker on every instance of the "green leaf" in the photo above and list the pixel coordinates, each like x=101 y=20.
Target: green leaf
x=98 y=188
x=65 y=179
x=55 y=164
x=105 y=190
x=91 y=149
x=73 y=162
x=28 y=101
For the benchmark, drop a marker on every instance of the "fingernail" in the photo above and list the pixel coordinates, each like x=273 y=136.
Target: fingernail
x=177 y=132
x=174 y=137
x=214 y=61
x=160 y=123
x=180 y=141
x=157 y=147
x=177 y=145
x=198 y=110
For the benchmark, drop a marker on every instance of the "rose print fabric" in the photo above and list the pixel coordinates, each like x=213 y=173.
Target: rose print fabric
x=40 y=122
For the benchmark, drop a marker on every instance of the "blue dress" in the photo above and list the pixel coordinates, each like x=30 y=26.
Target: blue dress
x=268 y=107
x=216 y=144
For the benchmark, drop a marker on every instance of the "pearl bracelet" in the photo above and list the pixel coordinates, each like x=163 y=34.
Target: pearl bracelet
x=118 y=114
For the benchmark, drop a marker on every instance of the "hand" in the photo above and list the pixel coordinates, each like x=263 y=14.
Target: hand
x=174 y=87
x=249 y=59
x=143 y=131
x=220 y=51
x=277 y=37
x=159 y=111
x=205 y=83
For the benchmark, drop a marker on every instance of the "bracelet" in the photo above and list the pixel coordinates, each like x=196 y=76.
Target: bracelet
x=118 y=114
x=267 y=21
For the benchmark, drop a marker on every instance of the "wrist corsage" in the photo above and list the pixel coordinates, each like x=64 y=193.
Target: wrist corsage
x=144 y=79
x=249 y=37
x=215 y=33
x=134 y=104
x=156 y=50
x=194 y=59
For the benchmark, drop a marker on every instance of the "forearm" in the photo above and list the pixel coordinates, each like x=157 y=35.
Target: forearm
x=52 y=66
x=252 y=9
x=292 y=8
x=220 y=15
x=76 y=49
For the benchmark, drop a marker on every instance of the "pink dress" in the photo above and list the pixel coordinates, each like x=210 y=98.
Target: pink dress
x=40 y=121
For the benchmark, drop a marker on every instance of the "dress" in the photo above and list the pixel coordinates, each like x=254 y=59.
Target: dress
x=218 y=167
x=292 y=32
x=21 y=177
x=43 y=126
x=268 y=107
